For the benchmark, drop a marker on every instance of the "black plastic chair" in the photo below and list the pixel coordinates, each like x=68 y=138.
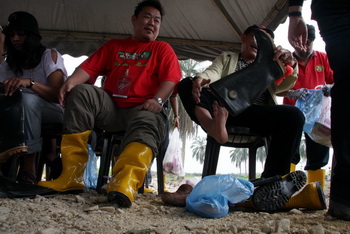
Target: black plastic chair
x=109 y=142
x=51 y=134
x=239 y=137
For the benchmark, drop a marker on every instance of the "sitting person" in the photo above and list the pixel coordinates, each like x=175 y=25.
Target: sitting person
x=33 y=74
x=283 y=124
x=141 y=74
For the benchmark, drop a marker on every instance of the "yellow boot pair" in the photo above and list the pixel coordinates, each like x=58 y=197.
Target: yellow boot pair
x=128 y=173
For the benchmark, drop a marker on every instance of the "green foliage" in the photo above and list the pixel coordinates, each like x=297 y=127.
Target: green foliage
x=198 y=148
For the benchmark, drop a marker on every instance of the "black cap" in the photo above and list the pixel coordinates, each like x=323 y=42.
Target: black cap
x=21 y=20
x=257 y=27
x=311 y=32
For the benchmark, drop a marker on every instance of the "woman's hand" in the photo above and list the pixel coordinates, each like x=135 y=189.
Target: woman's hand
x=12 y=84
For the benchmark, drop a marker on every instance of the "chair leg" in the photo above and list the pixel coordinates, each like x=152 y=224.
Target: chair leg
x=160 y=173
x=105 y=161
x=212 y=151
x=252 y=162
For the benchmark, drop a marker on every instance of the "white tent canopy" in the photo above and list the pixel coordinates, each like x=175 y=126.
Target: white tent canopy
x=197 y=29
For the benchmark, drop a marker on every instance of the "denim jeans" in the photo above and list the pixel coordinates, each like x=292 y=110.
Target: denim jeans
x=38 y=111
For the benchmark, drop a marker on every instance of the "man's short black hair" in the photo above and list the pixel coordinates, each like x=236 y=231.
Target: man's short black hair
x=311 y=34
x=152 y=3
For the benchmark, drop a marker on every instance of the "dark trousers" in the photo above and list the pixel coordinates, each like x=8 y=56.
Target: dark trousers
x=282 y=123
x=334 y=24
x=317 y=154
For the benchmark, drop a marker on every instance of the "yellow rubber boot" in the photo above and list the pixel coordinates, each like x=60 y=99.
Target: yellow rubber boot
x=148 y=190
x=74 y=151
x=293 y=167
x=316 y=175
x=129 y=173
x=311 y=197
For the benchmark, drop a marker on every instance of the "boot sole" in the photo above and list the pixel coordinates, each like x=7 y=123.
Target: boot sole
x=273 y=196
x=4 y=156
x=122 y=200
x=263 y=181
x=321 y=195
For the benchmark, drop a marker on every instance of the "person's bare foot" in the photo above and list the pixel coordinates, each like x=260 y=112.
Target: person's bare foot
x=218 y=130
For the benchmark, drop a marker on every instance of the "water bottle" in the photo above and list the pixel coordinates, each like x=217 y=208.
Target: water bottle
x=90 y=173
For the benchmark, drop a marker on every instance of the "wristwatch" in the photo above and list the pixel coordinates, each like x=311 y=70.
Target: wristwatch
x=32 y=82
x=159 y=100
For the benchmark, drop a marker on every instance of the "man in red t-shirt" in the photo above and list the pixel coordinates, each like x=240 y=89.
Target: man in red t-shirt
x=314 y=70
x=140 y=75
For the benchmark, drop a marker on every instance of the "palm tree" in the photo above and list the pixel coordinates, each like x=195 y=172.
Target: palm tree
x=261 y=155
x=188 y=67
x=238 y=156
x=198 y=148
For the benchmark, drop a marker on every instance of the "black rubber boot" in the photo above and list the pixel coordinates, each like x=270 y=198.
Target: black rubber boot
x=12 y=139
x=239 y=90
x=272 y=196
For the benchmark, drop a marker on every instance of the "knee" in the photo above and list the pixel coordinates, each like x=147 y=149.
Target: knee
x=185 y=87
x=296 y=116
x=79 y=89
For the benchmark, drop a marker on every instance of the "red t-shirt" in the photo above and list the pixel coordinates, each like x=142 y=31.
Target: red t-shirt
x=316 y=72
x=133 y=70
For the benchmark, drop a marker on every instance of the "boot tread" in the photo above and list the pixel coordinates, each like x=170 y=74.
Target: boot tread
x=273 y=196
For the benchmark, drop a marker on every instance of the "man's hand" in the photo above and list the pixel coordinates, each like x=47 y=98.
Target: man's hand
x=197 y=85
x=297 y=33
x=326 y=89
x=298 y=94
x=151 y=105
x=284 y=55
x=64 y=90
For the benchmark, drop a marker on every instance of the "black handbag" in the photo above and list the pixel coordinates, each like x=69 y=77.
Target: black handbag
x=239 y=90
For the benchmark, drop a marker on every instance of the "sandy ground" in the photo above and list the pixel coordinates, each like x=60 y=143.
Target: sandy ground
x=90 y=212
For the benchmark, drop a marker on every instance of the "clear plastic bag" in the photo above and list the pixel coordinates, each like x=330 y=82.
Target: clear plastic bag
x=172 y=161
x=90 y=173
x=311 y=107
x=321 y=132
x=211 y=197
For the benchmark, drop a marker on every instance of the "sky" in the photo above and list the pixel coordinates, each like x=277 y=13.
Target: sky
x=191 y=165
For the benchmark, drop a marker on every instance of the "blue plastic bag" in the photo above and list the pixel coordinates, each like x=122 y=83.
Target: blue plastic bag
x=90 y=173
x=211 y=197
x=311 y=107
